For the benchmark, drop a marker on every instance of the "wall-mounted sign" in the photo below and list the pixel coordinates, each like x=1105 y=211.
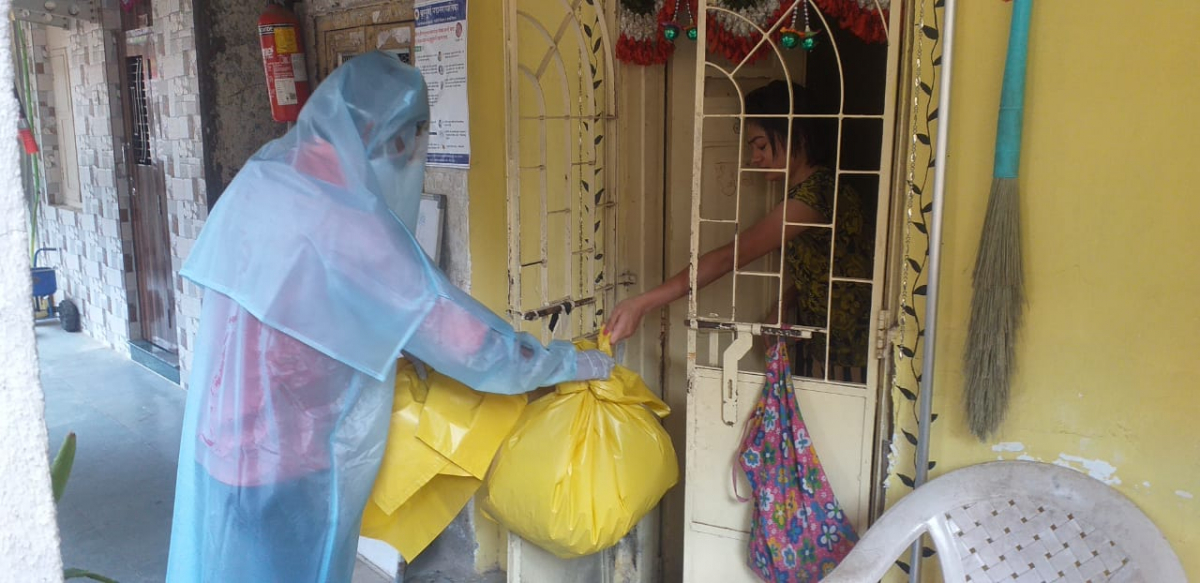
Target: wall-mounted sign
x=441 y=56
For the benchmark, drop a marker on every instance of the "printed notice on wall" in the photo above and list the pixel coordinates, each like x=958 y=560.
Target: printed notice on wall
x=441 y=56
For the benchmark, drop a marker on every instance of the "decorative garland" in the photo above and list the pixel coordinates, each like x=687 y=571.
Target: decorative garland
x=649 y=28
x=642 y=41
x=733 y=38
x=860 y=17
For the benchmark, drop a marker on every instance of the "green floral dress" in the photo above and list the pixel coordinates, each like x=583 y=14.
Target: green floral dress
x=853 y=257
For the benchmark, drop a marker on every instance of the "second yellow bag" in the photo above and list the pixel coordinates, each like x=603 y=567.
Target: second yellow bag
x=584 y=465
x=441 y=441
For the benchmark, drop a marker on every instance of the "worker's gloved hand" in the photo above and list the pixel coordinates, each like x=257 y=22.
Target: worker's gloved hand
x=592 y=365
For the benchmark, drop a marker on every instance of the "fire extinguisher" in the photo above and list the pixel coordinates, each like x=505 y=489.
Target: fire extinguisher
x=283 y=61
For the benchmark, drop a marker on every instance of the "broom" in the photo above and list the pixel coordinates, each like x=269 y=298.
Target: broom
x=999 y=285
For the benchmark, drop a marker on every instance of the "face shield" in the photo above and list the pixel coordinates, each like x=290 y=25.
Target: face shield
x=374 y=113
x=397 y=162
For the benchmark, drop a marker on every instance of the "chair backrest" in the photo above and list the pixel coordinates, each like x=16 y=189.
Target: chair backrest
x=1018 y=522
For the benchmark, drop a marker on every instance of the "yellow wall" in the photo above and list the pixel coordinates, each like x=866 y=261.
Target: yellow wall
x=486 y=180
x=1109 y=172
x=487 y=190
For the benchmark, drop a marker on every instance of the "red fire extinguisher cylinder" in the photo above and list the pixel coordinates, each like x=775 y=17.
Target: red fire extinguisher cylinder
x=284 y=62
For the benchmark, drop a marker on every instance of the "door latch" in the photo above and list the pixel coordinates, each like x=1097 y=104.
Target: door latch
x=742 y=344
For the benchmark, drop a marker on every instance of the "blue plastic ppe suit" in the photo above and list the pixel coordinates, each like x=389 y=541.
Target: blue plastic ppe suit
x=314 y=285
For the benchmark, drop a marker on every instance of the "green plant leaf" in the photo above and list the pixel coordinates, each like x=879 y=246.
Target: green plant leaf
x=60 y=468
x=82 y=574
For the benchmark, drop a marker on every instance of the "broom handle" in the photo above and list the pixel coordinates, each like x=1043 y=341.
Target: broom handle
x=1012 y=95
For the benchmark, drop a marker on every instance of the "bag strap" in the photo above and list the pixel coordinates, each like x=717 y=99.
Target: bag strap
x=737 y=454
x=780 y=353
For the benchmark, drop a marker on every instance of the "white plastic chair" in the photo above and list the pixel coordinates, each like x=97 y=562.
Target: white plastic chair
x=1019 y=522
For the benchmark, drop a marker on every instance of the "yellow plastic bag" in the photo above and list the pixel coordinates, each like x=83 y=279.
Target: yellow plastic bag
x=584 y=465
x=442 y=438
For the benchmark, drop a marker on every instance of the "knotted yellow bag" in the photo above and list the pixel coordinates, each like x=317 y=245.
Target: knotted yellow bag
x=584 y=465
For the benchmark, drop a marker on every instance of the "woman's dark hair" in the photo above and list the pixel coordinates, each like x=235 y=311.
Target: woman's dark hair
x=773 y=99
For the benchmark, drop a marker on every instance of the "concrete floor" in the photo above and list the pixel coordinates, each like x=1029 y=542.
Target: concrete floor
x=115 y=515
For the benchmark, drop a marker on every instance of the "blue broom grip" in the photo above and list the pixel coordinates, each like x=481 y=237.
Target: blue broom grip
x=1012 y=95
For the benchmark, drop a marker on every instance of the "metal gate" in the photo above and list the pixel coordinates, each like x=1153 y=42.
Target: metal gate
x=566 y=263
x=727 y=318
x=562 y=163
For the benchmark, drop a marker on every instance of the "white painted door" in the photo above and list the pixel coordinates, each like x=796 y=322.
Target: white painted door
x=584 y=171
x=723 y=359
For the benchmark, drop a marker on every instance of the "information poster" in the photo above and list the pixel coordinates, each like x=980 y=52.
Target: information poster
x=441 y=56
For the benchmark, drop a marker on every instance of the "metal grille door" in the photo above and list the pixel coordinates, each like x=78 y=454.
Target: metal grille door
x=562 y=164
x=820 y=290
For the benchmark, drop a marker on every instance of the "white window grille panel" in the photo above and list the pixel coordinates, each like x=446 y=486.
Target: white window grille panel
x=729 y=195
x=562 y=167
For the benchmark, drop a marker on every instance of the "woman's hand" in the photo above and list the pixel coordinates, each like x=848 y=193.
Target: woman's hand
x=626 y=318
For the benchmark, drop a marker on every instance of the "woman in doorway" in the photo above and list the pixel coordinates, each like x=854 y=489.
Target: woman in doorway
x=811 y=194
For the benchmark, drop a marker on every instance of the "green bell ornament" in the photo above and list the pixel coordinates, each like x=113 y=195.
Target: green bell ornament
x=670 y=31
x=790 y=38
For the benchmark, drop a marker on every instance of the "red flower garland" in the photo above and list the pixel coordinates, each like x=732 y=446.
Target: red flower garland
x=865 y=24
x=655 y=50
x=735 y=47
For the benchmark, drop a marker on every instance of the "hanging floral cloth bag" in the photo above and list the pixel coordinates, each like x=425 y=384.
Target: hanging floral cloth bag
x=798 y=531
